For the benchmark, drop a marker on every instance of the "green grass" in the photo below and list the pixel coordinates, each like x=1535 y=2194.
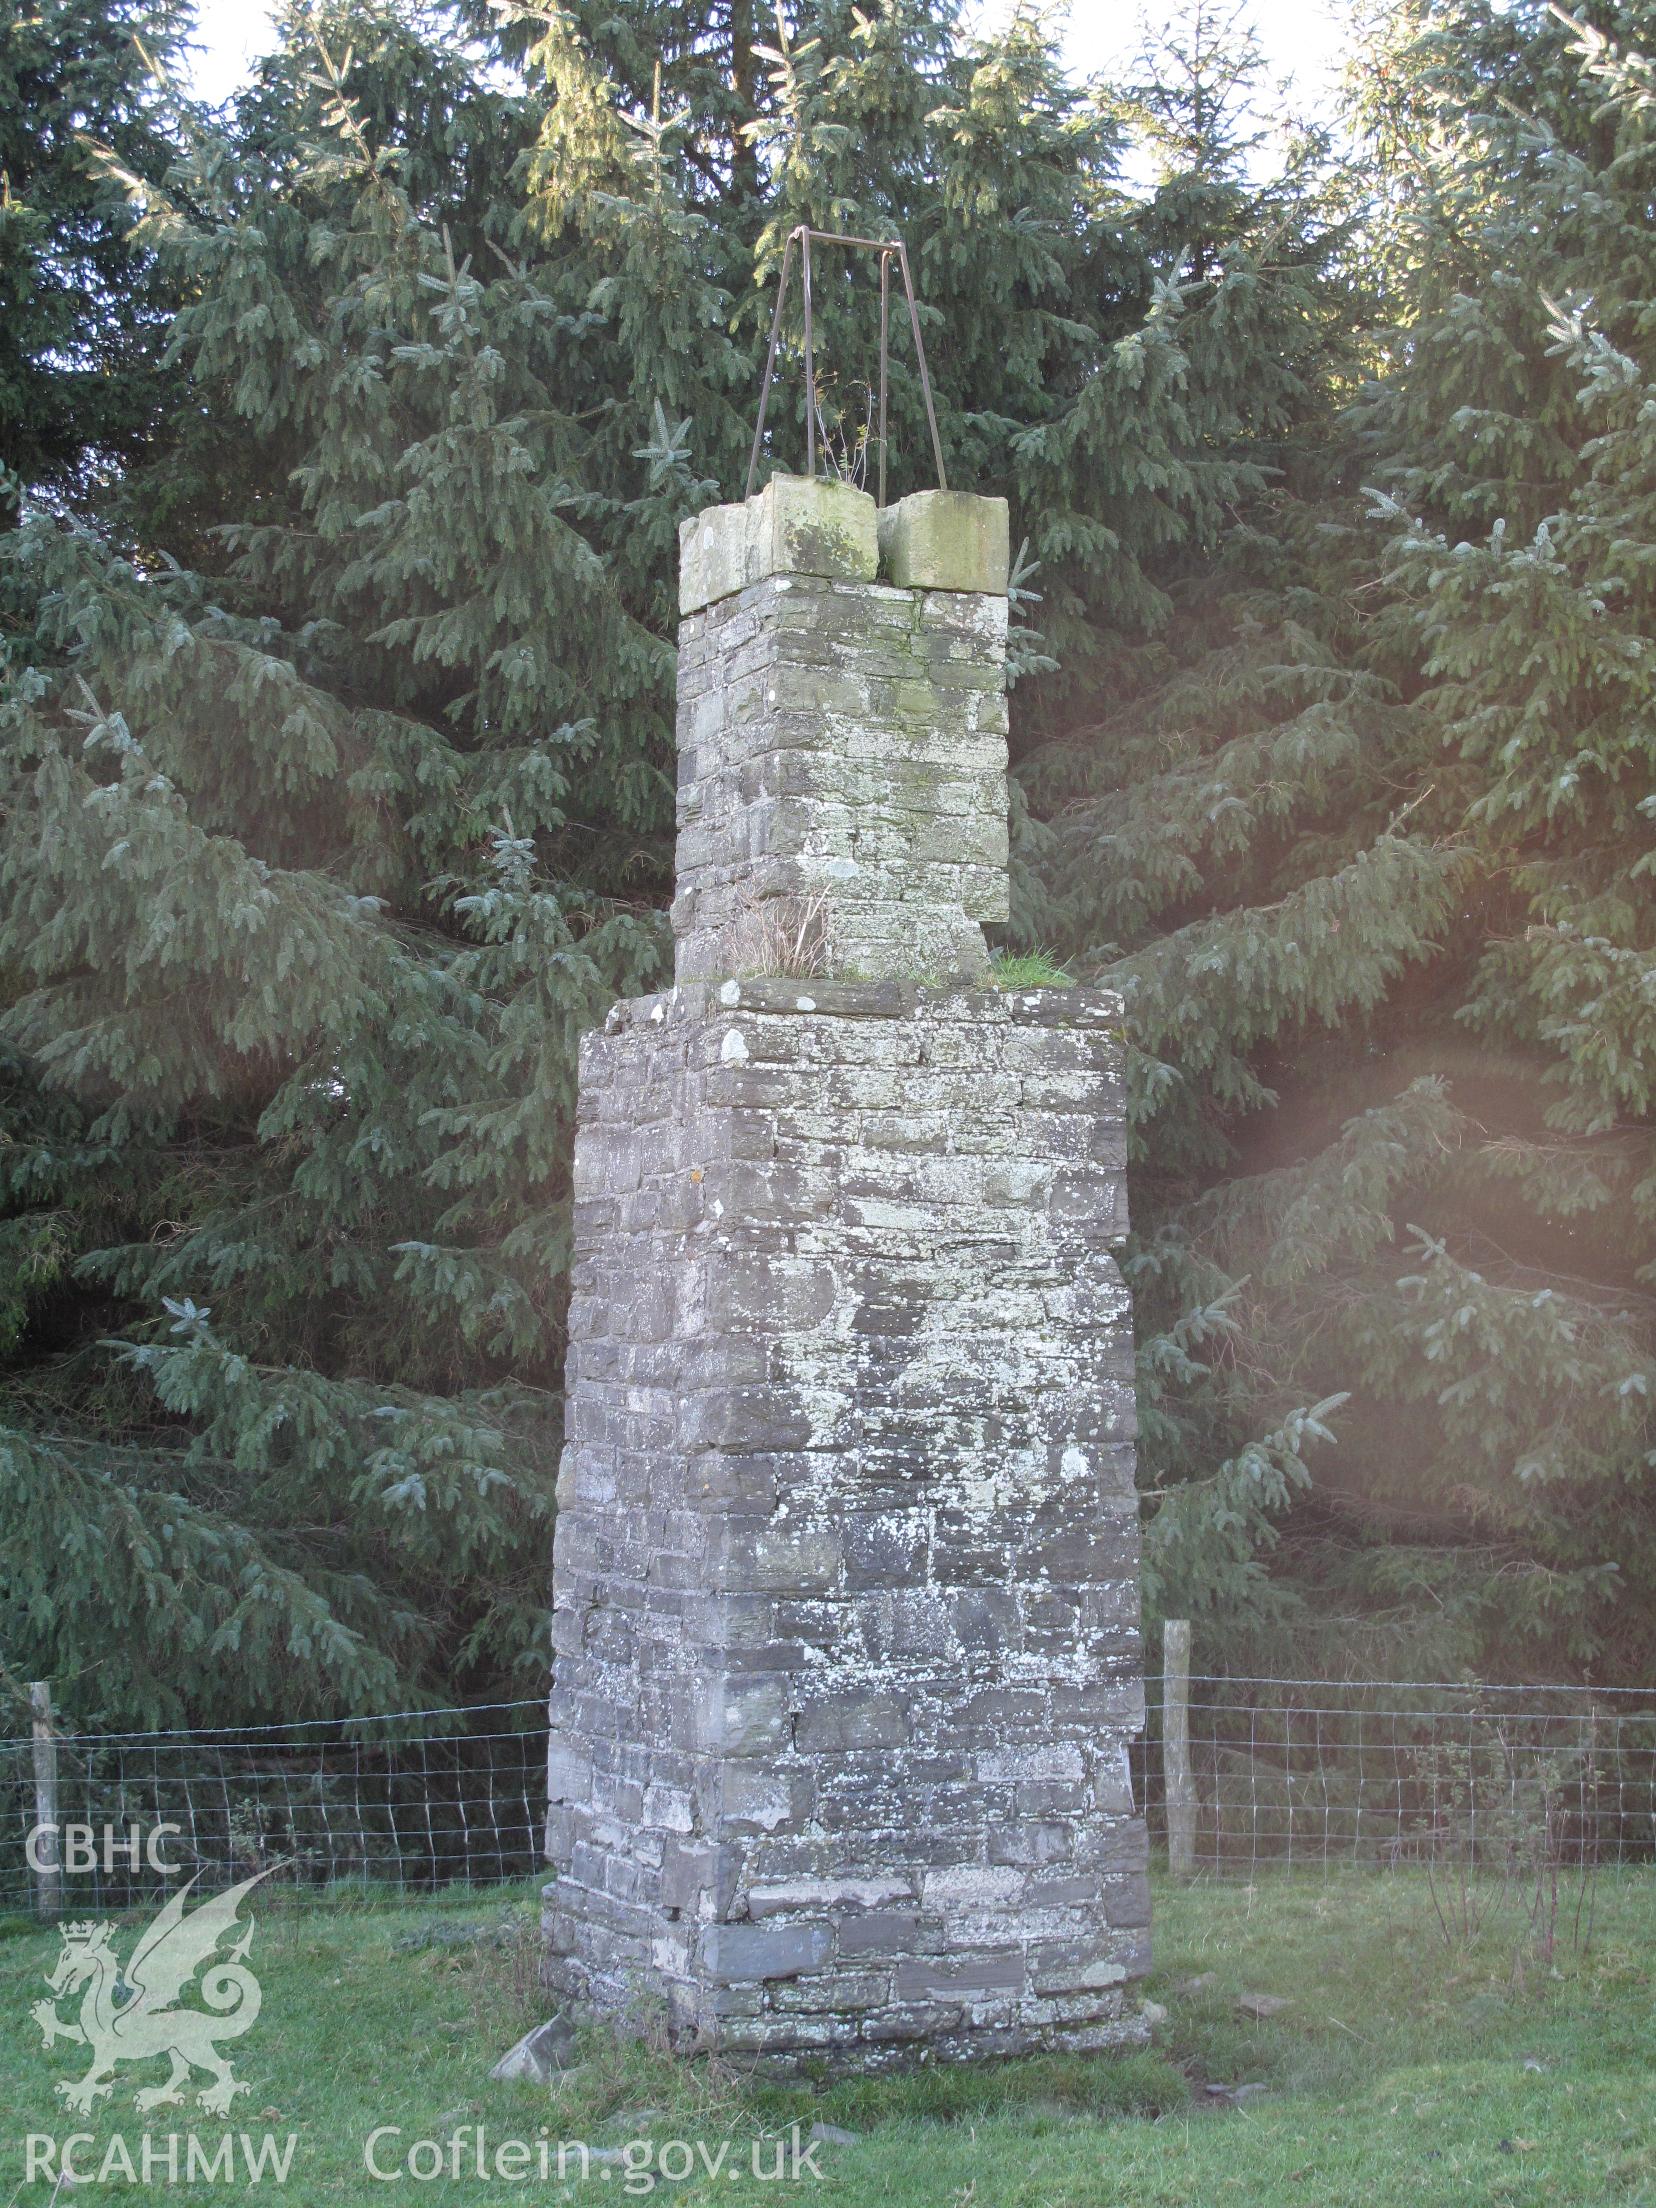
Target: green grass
x=1028 y=970
x=1403 y=2073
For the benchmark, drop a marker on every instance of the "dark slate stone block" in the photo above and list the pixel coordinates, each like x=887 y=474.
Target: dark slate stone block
x=737 y=1953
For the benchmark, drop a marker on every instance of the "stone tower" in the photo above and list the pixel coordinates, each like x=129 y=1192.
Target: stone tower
x=846 y=1653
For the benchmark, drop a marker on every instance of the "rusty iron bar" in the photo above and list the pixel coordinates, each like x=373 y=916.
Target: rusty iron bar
x=804 y=237
x=810 y=357
x=885 y=362
x=770 y=364
x=925 y=373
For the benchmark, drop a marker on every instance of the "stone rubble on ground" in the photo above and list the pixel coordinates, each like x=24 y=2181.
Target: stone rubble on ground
x=1259 y=2006
x=541 y=2055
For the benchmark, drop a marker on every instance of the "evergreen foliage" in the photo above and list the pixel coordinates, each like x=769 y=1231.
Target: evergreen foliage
x=82 y=311
x=1365 y=842
x=315 y=869
x=337 y=760
x=339 y=754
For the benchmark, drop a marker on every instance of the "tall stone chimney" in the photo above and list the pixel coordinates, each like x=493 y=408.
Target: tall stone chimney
x=846 y=1653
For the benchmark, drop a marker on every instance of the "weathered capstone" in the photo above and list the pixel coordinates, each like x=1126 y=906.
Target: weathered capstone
x=845 y=1628
x=794 y=526
x=946 y=540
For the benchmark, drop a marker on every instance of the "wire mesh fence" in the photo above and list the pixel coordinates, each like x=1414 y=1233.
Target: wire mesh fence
x=1290 y=1774
x=417 y=1800
x=1304 y=1774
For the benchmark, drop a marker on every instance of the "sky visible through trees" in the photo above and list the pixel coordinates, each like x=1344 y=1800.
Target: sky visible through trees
x=1305 y=38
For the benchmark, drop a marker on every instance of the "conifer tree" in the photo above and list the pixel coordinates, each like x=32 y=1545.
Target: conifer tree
x=337 y=761
x=1515 y=485
x=338 y=769
x=1361 y=843
x=314 y=869
x=81 y=308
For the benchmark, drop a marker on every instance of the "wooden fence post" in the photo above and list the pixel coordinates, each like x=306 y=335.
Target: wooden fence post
x=46 y=1855
x=1177 y=1784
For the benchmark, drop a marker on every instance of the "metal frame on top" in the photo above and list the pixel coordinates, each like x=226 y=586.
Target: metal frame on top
x=888 y=249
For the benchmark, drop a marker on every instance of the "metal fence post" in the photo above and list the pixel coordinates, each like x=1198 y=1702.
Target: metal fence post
x=1178 y=1786
x=46 y=1854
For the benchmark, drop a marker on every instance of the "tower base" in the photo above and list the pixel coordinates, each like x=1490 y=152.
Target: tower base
x=846 y=1615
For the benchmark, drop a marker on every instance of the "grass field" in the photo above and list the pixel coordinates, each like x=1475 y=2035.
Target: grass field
x=1404 y=2071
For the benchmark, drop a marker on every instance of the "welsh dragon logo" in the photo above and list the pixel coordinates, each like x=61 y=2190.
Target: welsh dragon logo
x=131 y=2014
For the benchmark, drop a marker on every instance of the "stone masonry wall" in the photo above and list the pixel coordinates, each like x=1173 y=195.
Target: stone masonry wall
x=846 y=1617
x=842 y=741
